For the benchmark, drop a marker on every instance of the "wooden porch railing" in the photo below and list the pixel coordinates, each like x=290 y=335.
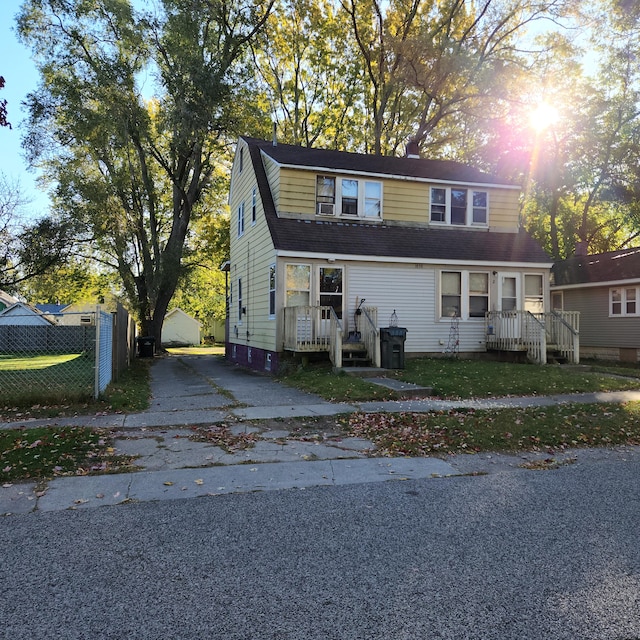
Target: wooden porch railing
x=307 y=328
x=371 y=334
x=335 y=339
x=312 y=329
x=535 y=333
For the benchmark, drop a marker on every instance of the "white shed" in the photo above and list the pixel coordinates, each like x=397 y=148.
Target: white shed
x=180 y=329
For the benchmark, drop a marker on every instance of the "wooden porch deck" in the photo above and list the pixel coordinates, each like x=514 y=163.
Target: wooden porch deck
x=313 y=329
x=536 y=333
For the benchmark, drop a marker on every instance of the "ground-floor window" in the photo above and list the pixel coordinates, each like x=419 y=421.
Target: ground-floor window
x=623 y=301
x=272 y=290
x=464 y=294
x=533 y=293
x=298 y=285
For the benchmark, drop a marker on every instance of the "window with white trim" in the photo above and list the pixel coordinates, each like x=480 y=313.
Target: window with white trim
x=241 y=219
x=348 y=197
x=464 y=294
x=254 y=206
x=272 y=290
x=623 y=301
x=533 y=293
x=298 y=285
x=460 y=207
x=239 y=296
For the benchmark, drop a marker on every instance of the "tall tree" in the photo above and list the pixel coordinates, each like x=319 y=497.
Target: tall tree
x=306 y=63
x=434 y=66
x=28 y=248
x=131 y=119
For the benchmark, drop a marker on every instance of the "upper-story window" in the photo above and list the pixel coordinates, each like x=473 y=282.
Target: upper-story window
x=241 y=219
x=462 y=207
x=348 y=197
x=254 y=206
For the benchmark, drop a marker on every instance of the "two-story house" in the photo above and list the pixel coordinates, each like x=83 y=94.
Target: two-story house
x=327 y=247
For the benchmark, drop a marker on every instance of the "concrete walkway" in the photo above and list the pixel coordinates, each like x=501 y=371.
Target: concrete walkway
x=204 y=391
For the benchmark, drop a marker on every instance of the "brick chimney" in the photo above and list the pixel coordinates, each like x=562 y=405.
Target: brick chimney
x=412 y=150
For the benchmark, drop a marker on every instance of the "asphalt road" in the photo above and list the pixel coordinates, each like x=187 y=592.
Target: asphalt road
x=518 y=554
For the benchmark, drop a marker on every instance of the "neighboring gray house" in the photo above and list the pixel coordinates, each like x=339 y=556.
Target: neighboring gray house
x=23 y=314
x=605 y=289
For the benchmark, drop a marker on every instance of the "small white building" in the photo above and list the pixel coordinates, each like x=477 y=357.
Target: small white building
x=180 y=329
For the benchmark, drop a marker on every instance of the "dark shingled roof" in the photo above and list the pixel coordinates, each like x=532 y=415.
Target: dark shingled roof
x=447 y=170
x=601 y=267
x=391 y=241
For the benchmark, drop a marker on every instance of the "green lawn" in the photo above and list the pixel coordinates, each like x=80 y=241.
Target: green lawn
x=46 y=378
x=459 y=379
x=548 y=429
x=47 y=389
x=47 y=452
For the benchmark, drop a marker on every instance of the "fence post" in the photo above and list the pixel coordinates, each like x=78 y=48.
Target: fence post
x=96 y=388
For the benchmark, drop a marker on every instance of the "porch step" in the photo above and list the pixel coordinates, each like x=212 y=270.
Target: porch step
x=354 y=354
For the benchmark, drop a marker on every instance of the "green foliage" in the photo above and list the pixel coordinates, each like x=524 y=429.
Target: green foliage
x=310 y=72
x=131 y=169
x=75 y=282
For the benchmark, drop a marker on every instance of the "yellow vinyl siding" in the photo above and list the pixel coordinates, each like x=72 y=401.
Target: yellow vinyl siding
x=403 y=201
x=250 y=257
x=504 y=209
x=297 y=192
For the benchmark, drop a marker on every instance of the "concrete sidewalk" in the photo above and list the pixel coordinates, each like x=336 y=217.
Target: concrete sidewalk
x=190 y=391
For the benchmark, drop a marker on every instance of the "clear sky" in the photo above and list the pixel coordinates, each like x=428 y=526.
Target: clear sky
x=20 y=77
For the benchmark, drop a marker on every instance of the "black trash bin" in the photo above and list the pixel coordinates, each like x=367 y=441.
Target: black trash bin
x=392 y=347
x=146 y=347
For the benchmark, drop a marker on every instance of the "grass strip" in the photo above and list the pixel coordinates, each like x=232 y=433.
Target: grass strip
x=471 y=431
x=45 y=452
x=463 y=379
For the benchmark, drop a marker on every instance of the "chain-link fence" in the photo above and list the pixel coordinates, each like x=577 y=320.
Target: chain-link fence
x=52 y=359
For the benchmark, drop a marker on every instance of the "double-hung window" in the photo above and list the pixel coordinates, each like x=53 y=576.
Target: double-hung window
x=254 y=206
x=298 y=285
x=464 y=294
x=348 y=197
x=325 y=195
x=241 y=219
x=460 y=207
x=533 y=293
x=623 y=301
x=239 y=296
